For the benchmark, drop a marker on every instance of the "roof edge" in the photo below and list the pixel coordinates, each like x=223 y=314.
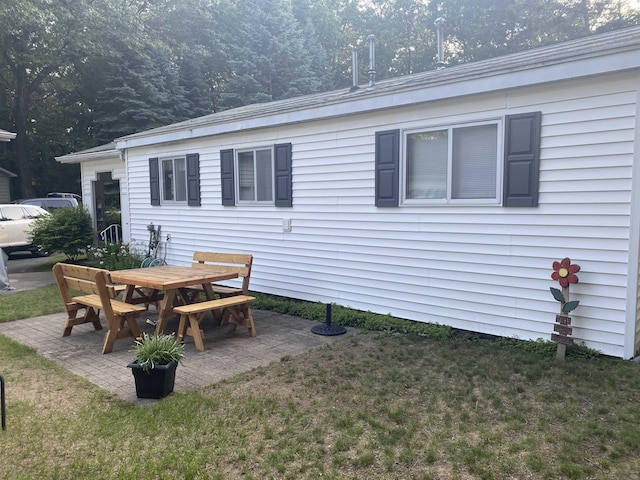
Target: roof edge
x=597 y=54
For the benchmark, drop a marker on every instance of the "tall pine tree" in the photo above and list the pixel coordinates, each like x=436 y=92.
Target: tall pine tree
x=269 y=58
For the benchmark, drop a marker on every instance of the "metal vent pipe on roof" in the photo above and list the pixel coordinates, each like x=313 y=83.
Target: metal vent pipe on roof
x=372 y=61
x=439 y=26
x=354 y=70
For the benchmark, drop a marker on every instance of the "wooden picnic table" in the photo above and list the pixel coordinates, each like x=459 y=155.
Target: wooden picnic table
x=170 y=279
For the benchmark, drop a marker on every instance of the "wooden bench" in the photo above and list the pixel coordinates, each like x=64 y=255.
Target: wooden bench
x=239 y=263
x=99 y=294
x=235 y=310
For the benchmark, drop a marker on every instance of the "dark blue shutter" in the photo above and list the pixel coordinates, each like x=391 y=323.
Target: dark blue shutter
x=154 y=181
x=193 y=179
x=521 y=159
x=226 y=178
x=282 y=173
x=387 y=165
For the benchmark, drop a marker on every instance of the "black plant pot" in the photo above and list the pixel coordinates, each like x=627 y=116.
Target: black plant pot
x=157 y=382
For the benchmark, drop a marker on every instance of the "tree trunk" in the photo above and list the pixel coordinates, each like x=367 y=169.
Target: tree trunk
x=21 y=142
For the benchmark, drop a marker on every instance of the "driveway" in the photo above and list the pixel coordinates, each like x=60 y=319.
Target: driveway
x=24 y=262
x=22 y=268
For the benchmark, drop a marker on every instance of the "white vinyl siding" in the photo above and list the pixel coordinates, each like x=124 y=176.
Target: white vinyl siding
x=478 y=267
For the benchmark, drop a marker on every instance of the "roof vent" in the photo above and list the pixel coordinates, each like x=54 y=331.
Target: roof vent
x=354 y=71
x=372 y=61
x=440 y=58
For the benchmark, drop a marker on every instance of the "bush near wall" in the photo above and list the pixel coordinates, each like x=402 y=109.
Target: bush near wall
x=66 y=230
x=348 y=317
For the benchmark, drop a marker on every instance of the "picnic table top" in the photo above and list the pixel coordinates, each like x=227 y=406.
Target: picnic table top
x=169 y=276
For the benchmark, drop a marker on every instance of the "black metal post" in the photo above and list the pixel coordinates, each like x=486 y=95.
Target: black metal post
x=328 y=329
x=2 y=404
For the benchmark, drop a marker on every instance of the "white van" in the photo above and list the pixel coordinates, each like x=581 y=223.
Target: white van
x=15 y=222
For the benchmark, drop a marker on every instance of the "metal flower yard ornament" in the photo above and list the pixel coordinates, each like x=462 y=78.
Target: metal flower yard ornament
x=564 y=272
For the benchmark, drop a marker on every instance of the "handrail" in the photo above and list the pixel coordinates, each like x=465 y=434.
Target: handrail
x=111 y=234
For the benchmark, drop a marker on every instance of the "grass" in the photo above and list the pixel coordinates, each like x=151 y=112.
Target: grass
x=374 y=405
x=370 y=406
x=41 y=301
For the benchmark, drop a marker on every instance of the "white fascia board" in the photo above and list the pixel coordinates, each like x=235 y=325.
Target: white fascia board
x=88 y=157
x=373 y=100
x=6 y=136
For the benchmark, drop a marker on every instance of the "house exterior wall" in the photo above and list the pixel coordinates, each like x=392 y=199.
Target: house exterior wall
x=484 y=268
x=89 y=174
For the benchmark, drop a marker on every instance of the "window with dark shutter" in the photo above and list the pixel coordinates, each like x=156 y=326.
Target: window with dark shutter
x=226 y=177
x=154 y=181
x=522 y=159
x=193 y=179
x=387 y=164
x=282 y=171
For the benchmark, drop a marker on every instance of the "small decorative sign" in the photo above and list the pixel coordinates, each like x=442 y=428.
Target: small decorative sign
x=563 y=329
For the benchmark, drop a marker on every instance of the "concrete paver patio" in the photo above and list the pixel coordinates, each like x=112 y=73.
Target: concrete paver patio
x=226 y=354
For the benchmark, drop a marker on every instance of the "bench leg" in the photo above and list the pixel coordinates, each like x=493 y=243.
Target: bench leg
x=118 y=331
x=194 y=322
x=109 y=340
x=182 y=327
x=134 y=328
x=90 y=316
x=240 y=315
x=190 y=325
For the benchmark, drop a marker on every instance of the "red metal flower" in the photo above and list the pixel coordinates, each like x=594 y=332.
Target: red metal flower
x=564 y=272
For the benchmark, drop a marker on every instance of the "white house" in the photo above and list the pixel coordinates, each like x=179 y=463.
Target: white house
x=441 y=197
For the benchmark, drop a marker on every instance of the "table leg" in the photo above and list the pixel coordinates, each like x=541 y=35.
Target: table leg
x=128 y=293
x=210 y=294
x=166 y=309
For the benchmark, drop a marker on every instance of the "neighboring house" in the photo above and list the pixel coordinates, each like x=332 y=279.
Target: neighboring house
x=5 y=185
x=6 y=175
x=441 y=197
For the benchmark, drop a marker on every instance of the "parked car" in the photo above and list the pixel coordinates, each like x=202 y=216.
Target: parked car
x=15 y=222
x=65 y=195
x=49 y=203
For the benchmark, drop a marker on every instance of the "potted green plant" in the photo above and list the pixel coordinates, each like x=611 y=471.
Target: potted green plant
x=154 y=366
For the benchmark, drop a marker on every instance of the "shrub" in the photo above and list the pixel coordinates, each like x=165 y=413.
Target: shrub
x=67 y=230
x=114 y=256
x=351 y=318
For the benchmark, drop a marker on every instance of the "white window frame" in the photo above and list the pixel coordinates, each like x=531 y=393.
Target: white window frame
x=237 y=169
x=450 y=127
x=174 y=159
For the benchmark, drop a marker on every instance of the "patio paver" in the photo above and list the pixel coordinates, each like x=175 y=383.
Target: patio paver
x=226 y=354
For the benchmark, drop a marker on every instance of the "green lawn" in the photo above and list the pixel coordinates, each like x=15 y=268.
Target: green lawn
x=368 y=406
